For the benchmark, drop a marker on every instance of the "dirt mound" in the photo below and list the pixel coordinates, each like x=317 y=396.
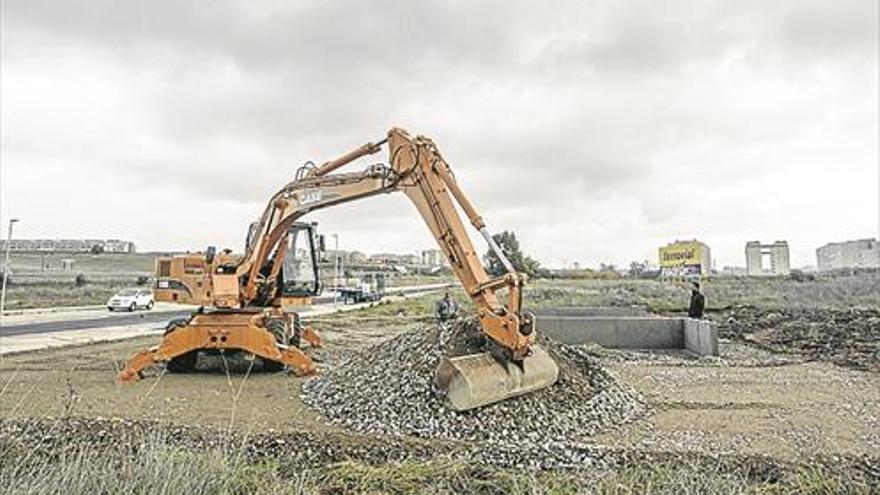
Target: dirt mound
x=848 y=338
x=388 y=389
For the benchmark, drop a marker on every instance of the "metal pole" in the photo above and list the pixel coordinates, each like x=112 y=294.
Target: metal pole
x=341 y=263
x=6 y=265
x=336 y=265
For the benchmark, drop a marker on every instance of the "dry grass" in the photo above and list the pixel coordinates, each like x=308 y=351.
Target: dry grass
x=53 y=294
x=150 y=468
x=154 y=467
x=721 y=293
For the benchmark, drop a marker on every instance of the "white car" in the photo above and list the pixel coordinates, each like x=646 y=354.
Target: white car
x=131 y=299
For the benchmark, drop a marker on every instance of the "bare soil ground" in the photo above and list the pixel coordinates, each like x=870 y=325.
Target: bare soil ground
x=766 y=397
x=749 y=402
x=743 y=402
x=847 y=337
x=79 y=381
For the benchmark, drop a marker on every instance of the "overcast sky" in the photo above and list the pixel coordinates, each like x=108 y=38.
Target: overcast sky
x=597 y=131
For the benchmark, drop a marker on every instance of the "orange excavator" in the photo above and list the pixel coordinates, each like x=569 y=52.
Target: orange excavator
x=246 y=293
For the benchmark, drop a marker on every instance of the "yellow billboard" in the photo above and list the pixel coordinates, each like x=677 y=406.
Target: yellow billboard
x=681 y=254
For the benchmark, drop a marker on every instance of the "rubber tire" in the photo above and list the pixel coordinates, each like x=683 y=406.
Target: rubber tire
x=298 y=330
x=277 y=329
x=150 y=305
x=185 y=363
x=133 y=307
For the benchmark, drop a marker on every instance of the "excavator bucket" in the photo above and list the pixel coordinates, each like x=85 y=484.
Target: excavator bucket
x=475 y=380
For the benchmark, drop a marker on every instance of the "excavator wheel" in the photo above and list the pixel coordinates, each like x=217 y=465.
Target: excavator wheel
x=185 y=363
x=278 y=328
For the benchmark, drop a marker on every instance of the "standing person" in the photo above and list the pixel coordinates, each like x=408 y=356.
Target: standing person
x=446 y=308
x=698 y=302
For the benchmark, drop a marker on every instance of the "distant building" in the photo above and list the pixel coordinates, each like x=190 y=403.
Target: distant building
x=332 y=255
x=433 y=257
x=357 y=258
x=734 y=271
x=776 y=256
x=685 y=259
x=394 y=259
x=384 y=259
x=863 y=253
x=410 y=259
x=69 y=245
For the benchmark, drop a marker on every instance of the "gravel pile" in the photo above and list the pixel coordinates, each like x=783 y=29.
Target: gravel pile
x=388 y=389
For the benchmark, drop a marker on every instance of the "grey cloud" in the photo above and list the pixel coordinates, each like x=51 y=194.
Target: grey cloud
x=814 y=29
x=541 y=109
x=346 y=37
x=642 y=47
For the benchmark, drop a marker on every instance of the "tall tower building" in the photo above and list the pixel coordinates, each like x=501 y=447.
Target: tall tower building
x=767 y=260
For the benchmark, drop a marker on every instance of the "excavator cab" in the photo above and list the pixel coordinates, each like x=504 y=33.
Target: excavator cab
x=299 y=275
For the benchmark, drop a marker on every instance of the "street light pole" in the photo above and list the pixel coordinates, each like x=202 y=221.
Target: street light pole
x=335 y=266
x=341 y=264
x=336 y=260
x=6 y=265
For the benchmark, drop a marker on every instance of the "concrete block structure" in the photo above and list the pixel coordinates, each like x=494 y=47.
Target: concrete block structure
x=700 y=337
x=862 y=253
x=595 y=311
x=777 y=257
x=629 y=332
x=433 y=257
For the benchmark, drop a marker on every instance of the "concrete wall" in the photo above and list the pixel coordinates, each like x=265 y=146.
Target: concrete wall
x=632 y=332
x=700 y=337
x=594 y=311
x=614 y=332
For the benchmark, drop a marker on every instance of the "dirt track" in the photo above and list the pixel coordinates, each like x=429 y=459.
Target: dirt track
x=750 y=403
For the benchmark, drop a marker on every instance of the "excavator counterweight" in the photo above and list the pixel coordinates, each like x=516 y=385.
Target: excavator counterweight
x=513 y=365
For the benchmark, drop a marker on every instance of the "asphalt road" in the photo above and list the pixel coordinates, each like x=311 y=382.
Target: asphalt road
x=115 y=320
x=142 y=317
x=109 y=320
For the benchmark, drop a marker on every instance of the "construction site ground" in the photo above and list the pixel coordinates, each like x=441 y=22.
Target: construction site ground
x=733 y=404
x=791 y=409
x=751 y=401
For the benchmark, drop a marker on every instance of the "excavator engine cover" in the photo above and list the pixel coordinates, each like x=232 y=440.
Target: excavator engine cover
x=474 y=380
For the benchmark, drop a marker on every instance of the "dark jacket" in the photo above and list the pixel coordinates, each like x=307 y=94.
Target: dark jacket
x=446 y=309
x=698 y=304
